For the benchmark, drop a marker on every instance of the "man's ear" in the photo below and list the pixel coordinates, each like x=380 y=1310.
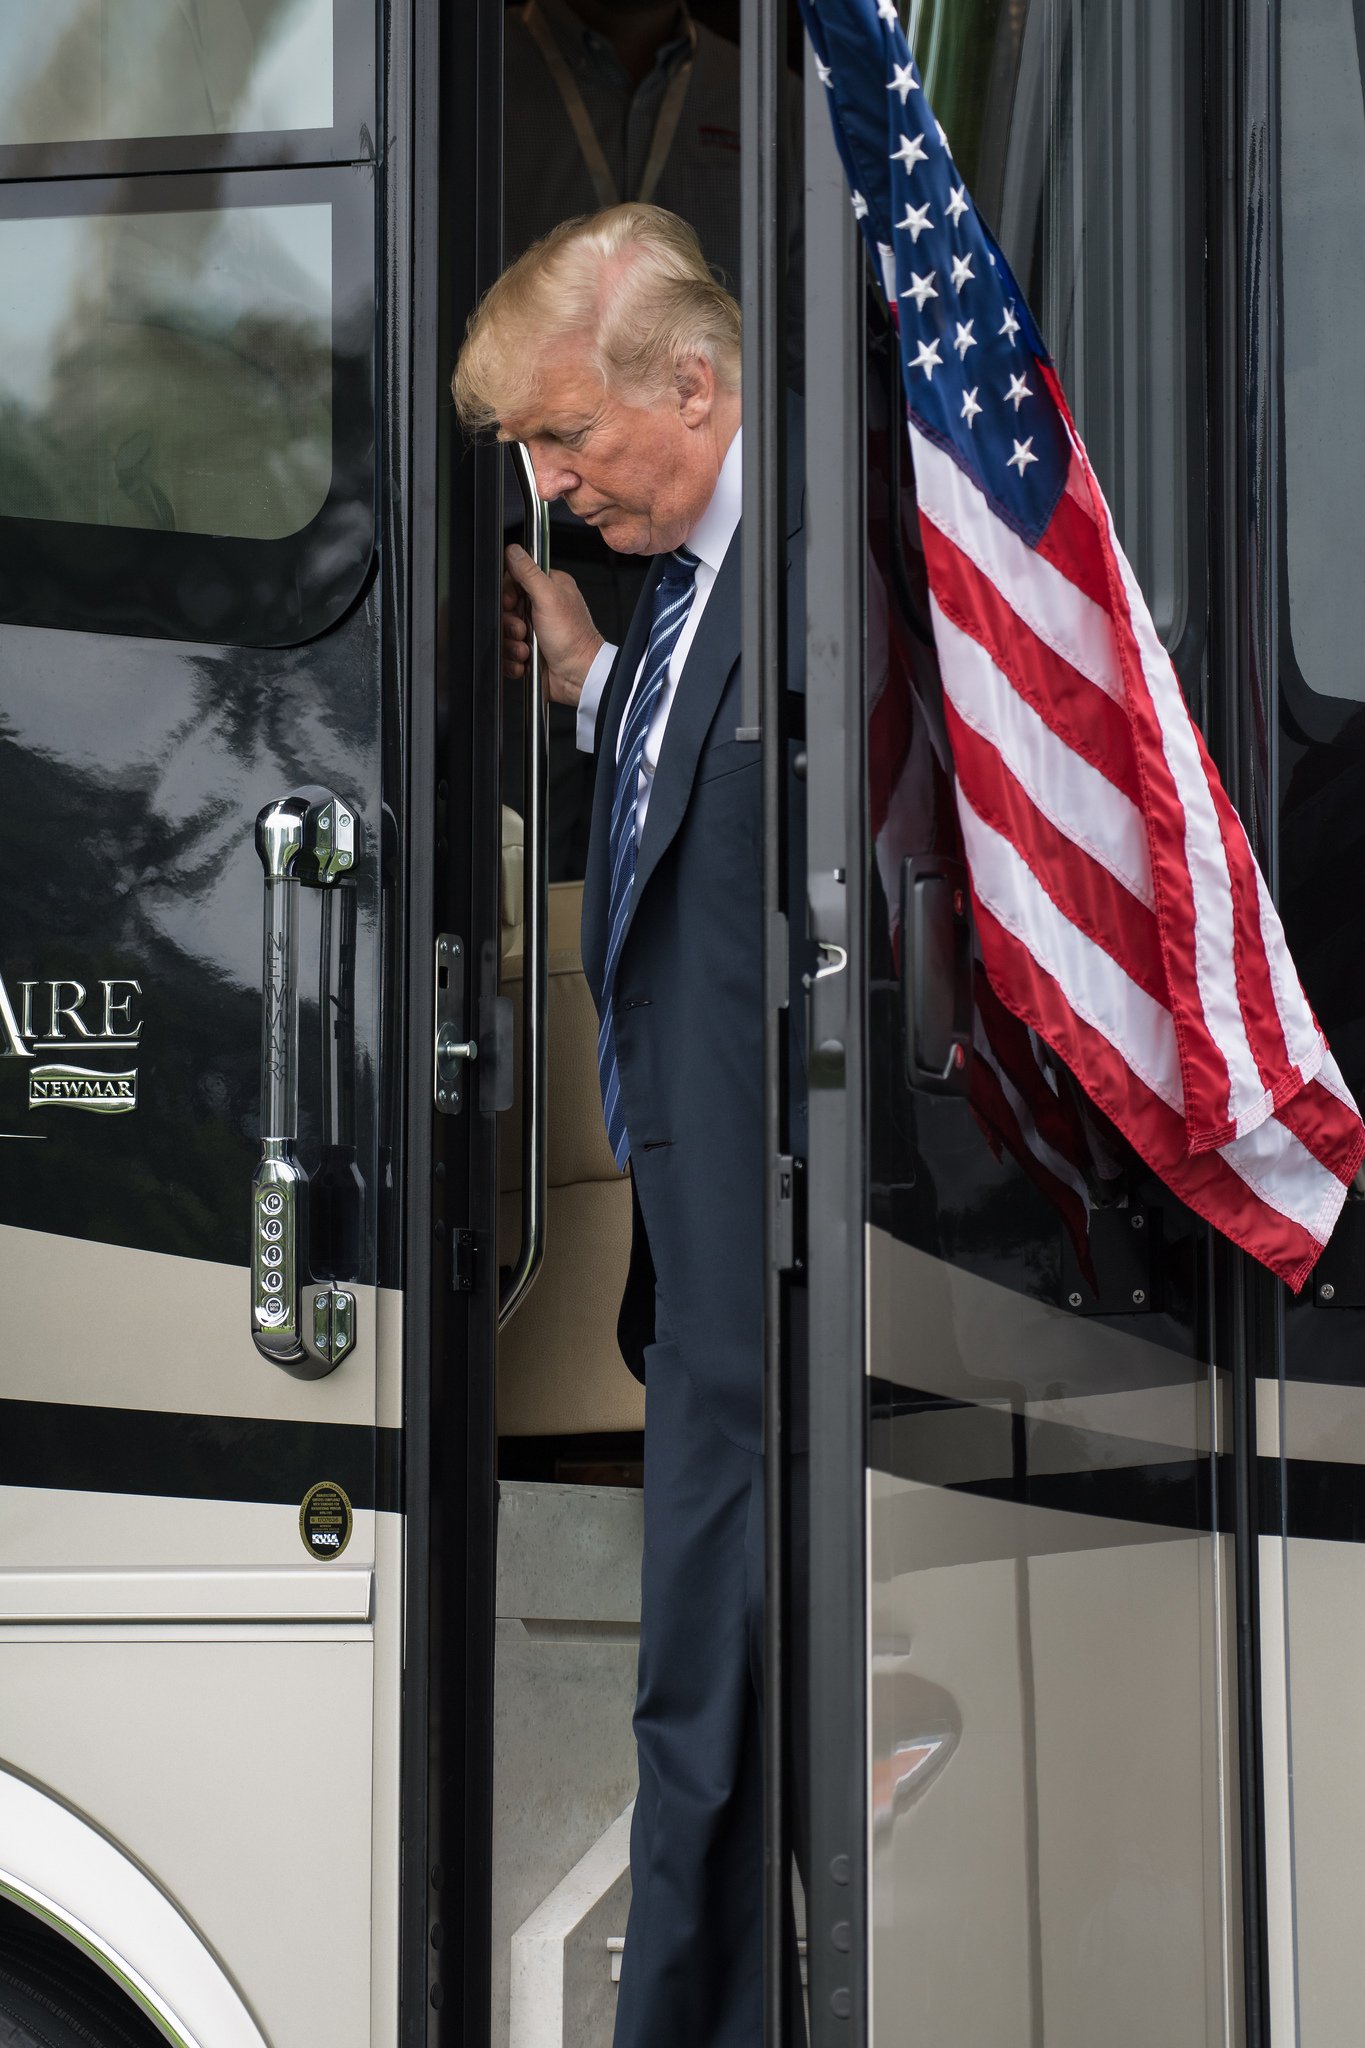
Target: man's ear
x=695 y=380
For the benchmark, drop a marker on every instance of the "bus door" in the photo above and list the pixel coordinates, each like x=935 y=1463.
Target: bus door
x=200 y=1568
x=1023 y=1700
x=1304 y=769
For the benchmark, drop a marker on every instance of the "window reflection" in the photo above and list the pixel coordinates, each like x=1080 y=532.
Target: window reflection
x=104 y=70
x=168 y=370
x=1073 y=123
x=1322 y=140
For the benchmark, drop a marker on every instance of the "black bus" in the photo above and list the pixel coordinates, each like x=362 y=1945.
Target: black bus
x=319 y=1470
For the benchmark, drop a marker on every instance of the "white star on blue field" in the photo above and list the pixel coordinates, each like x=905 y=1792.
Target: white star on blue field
x=969 y=347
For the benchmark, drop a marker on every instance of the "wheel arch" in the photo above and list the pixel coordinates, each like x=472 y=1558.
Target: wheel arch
x=63 y=1871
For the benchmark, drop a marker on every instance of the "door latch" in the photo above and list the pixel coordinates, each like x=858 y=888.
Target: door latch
x=453 y=1051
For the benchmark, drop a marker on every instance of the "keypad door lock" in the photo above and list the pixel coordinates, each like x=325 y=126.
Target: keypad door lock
x=305 y=1326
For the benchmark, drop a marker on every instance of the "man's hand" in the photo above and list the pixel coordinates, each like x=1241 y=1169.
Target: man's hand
x=569 y=641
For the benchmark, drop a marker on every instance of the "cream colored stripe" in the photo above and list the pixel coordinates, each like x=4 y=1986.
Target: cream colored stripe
x=310 y=1593
x=119 y=1328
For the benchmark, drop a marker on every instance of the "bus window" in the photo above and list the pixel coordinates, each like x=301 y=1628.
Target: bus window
x=1322 y=140
x=100 y=70
x=1077 y=128
x=186 y=404
x=168 y=370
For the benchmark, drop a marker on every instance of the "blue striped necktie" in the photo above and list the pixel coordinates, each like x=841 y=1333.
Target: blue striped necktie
x=673 y=596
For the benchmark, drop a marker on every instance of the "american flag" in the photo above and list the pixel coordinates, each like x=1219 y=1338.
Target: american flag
x=1119 y=911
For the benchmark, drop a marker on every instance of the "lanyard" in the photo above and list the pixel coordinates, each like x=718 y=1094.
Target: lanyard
x=665 y=128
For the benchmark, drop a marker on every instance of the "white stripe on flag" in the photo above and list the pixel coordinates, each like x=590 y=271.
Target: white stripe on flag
x=1094 y=985
x=1303 y=1040
x=1249 y=1101
x=1287 y=1178
x=1329 y=1077
x=1063 y=617
x=1083 y=804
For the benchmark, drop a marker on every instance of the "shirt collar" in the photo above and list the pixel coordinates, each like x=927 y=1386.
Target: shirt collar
x=711 y=536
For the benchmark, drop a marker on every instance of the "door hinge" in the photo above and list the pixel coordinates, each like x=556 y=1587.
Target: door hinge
x=789 y=1214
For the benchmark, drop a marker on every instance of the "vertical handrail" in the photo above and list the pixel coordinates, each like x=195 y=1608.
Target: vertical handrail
x=518 y=1279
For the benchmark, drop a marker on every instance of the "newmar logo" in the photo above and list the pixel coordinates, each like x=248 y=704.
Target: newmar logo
x=82 y=1088
x=68 y=1017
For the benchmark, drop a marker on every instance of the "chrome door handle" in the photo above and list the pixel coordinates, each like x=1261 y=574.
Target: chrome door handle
x=535 y=922
x=308 y=837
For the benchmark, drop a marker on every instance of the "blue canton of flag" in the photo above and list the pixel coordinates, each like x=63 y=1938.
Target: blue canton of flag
x=967 y=338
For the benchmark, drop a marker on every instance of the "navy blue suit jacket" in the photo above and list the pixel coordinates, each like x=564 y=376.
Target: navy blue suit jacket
x=688 y=996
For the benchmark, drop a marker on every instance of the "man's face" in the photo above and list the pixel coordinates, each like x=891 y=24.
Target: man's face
x=642 y=474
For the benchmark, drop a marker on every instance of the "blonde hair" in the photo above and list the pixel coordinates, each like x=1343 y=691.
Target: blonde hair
x=630 y=281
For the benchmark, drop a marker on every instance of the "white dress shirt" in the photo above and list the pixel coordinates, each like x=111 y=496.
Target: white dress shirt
x=708 y=540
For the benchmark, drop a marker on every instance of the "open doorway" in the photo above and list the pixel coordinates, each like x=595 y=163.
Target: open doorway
x=601 y=102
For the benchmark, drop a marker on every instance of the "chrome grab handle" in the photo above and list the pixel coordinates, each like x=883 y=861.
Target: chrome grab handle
x=535 y=921
x=307 y=837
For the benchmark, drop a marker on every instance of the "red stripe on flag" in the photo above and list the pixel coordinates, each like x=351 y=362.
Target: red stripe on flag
x=1085 y=893
x=1203 y=1180
x=1203 y=1062
x=1073 y=546
x=1080 y=713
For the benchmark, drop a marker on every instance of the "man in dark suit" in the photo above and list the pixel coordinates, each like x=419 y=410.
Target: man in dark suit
x=612 y=353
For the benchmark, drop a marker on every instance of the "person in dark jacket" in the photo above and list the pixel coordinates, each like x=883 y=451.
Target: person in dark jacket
x=611 y=351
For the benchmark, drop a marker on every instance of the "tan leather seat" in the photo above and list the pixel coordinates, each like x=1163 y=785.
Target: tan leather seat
x=559 y=1370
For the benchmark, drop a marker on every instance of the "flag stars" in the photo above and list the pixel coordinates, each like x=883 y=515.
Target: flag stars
x=1016 y=395
x=916 y=222
x=1011 y=326
x=964 y=338
x=929 y=360
x=970 y=407
x=920 y=289
x=911 y=152
x=1023 y=455
x=887 y=11
x=903 y=81
x=957 y=205
x=859 y=206
x=823 y=73
x=962 y=270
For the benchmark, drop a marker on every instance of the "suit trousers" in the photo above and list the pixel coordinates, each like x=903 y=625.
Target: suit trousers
x=691 y=1973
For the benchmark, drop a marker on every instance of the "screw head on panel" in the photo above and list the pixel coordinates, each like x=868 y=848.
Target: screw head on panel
x=1139 y=1296
x=1326 y=1292
x=1073 y=1300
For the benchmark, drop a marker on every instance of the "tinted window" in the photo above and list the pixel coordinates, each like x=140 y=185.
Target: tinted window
x=168 y=370
x=104 y=70
x=1077 y=124
x=187 y=402
x=1322 y=143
